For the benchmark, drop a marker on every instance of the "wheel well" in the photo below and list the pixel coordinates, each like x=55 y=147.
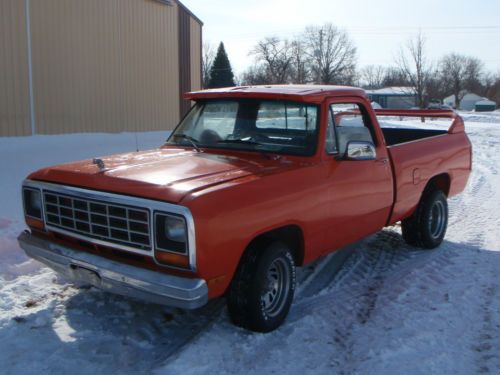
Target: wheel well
x=439 y=182
x=291 y=235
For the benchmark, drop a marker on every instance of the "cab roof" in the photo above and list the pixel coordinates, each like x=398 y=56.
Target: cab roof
x=306 y=93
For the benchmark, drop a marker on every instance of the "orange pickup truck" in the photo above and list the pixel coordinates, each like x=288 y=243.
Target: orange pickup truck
x=253 y=182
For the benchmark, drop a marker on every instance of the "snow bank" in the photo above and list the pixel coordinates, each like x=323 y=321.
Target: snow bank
x=22 y=155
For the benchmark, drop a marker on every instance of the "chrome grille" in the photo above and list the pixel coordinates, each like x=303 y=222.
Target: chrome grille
x=119 y=224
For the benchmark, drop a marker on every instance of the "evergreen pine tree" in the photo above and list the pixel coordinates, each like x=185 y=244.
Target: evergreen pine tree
x=221 y=73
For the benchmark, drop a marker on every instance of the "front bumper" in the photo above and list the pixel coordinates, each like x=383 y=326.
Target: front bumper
x=117 y=277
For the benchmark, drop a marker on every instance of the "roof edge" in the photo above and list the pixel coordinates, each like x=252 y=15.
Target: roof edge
x=195 y=17
x=311 y=93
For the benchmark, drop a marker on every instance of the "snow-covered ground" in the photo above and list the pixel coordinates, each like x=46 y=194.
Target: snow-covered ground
x=392 y=309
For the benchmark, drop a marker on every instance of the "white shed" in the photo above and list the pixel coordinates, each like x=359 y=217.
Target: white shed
x=467 y=103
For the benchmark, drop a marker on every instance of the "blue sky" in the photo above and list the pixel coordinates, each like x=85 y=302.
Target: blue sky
x=378 y=28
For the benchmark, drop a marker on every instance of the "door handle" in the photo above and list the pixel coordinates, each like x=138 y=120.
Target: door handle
x=382 y=161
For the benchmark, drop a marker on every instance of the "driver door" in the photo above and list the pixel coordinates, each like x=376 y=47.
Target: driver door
x=360 y=192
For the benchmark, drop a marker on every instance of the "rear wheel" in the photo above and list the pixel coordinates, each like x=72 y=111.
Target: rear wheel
x=427 y=226
x=262 y=289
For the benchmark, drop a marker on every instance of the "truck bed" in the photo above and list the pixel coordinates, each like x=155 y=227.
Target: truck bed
x=420 y=154
x=394 y=136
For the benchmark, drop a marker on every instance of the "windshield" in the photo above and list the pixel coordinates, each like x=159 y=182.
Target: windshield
x=281 y=127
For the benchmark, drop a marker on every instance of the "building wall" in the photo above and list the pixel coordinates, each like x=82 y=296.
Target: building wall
x=469 y=102
x=401 y=102
x=394 y=101
x=196 y=47
x=14 y=85
x=184 y=26
x=98 y=66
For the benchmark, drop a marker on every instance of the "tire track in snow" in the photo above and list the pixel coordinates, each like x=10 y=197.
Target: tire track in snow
x=151 y=334
x=354 y=296
x=477 y=197
x=350 y=297
x=473 y=208
x=165 y=348
x=313 y=277
x=488 y=356
x=423 y=269
x=462 y=204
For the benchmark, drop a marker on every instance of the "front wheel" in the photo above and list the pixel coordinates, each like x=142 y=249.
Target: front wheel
x=262 y=289
x=427 y=226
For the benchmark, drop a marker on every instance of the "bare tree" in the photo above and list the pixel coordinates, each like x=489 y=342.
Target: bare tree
x=435 y=90
x=323 y=54
x=207 y=59
x=331 y=54
x=494 y=90
x=255 y=75
x=491 y=86
x=394 y=77
x=413 y=64
x=299 y=68
x=459 y=74
x=276 y=56
x=373 y=76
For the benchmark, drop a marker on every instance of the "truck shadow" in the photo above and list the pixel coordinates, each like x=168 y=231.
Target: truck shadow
x=105 y=332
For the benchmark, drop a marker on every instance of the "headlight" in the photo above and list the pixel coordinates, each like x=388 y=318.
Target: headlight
x=175 y=229
x=171 y=233
x=32 y=203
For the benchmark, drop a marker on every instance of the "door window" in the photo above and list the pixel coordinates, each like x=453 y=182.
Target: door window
x=347 y=122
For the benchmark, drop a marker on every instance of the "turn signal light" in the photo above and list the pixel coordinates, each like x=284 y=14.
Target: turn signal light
x=170 y=259
x=34 y=223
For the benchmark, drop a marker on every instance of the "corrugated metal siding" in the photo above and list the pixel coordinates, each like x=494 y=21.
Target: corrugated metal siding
x=196 y=29
x=104 y=65
x=14 y=85
x=150 y=52
x=98 y=65
x=184 y=58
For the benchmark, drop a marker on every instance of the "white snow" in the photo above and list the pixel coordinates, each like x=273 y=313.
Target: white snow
x=392 y=309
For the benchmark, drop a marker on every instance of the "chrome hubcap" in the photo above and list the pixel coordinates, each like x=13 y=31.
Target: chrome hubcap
x=437 y=220
x=277 y=287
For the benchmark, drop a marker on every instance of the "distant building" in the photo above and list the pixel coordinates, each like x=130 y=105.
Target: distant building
x=394 y=97
x=467 y=103
x=96 y=66
x=485 y=105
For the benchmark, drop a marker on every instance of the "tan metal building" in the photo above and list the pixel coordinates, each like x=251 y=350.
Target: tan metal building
x=71 y=66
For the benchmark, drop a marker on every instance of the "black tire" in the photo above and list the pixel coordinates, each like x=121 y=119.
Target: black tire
x=261 y=292
x=427 y=226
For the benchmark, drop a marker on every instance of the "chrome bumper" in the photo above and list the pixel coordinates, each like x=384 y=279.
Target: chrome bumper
x=117 y=277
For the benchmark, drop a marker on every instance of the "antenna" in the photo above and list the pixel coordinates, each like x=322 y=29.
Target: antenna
x=136 y=141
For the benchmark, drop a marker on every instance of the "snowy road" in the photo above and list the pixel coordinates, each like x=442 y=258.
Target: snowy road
x=391 y=309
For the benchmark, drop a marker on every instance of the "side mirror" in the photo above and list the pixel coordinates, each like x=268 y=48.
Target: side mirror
x=360 y=150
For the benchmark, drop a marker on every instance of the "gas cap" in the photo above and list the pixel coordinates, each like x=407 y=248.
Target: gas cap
x=416 y=176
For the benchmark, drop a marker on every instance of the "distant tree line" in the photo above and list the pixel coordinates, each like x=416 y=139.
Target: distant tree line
x=453 y=74
x=326 y=55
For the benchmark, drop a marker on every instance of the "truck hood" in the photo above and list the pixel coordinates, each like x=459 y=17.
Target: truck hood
x=166 y=174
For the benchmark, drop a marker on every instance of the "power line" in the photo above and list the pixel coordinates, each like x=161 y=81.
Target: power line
x=375 y=30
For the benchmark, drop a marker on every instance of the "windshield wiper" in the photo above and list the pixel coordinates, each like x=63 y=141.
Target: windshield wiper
x=240 y=141
x=193 y=141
